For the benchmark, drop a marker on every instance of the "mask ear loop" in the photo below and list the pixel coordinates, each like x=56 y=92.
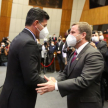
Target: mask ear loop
x=41 y=26
x=38 y=29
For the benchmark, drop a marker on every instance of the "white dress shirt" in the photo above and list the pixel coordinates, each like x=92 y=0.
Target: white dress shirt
x=78 y=51
x=64 y=54
x=43 y=51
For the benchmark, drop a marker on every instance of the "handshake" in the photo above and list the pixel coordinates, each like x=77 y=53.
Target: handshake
x=46 y=87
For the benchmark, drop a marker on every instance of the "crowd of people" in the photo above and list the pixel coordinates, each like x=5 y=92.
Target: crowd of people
x=82 y=51
x=54 y=45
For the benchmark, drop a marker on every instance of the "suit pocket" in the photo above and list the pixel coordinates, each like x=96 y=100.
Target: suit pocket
x=88 y=99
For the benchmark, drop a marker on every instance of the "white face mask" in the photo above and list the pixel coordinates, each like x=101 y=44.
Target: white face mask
x=92 y=39
x=71 y=40
x=96 y=39
x=43 y=33
x=52 y=44
x=101 y=38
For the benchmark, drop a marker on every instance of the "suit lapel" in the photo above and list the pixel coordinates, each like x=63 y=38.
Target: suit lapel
x=71 y=66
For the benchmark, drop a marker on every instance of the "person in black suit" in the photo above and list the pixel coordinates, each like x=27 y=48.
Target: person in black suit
x=106 y=76
x=80 y=80
x=59 y=46
x=99 y=44
x=24 y=63
x=54 y=38
x=102 y=47
x=51 y=50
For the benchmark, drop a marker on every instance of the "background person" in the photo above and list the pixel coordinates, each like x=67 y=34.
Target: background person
x=59 y=46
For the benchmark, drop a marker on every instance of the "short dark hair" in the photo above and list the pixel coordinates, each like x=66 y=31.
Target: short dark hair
x=84 y=27
x=35 y=14
x=69 y=31
x=59 y=36
x=93 y=32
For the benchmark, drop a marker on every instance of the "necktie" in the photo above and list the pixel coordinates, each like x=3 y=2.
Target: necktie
x=74 y=56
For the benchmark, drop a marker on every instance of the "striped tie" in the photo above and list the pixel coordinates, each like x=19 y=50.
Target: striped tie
x=74 y=56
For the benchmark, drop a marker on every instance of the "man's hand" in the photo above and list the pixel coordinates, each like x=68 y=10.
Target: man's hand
x=93 y=44
x=59 y=52
x=53 y=79
x=46 y=87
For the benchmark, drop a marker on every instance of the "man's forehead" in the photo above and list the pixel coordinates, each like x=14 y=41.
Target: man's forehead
x=74 y=28
x=96 y=34
x=44 y=21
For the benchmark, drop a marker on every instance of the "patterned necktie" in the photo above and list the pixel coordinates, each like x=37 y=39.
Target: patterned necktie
x=74 y=56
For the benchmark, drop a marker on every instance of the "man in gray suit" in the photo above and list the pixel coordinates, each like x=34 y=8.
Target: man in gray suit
x=80 y=80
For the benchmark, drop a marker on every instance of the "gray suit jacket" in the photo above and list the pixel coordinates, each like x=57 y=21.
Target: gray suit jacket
x=81 y=80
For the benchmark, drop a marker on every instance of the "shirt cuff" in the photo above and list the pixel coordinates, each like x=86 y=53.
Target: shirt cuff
x=56 y=86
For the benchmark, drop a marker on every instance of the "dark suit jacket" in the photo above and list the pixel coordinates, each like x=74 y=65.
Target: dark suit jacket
x=66 y=51
x=102 y=47
x=22 y=73
x=59 y=46
x=54 y=39
x=81 y=80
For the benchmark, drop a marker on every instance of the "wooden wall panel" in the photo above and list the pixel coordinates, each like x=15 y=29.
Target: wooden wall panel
x=96 y=16
x=6 y=8
x=86 y=6
x=2 y=24
x=1 y=35
x=39 y=7
x=66 y=16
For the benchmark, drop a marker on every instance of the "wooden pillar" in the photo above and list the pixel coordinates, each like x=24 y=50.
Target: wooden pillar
x=5 y=17
x=66 y=16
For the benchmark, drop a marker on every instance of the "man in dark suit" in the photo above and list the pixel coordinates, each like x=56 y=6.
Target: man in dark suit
x=24 y=63
x=59 y=46
x=80 y=80
x=51 y=51
x=99 y=44
x=54 y=38
x=102 y=47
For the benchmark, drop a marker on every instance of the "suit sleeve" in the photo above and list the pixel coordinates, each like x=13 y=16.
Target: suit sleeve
x=56 y=47
x=103 y=49
x=29 y=61
x=63 y=75
x=92 y=69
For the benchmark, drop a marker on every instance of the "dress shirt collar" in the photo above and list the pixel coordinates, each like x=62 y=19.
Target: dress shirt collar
x=81 y=47
x=32 y=34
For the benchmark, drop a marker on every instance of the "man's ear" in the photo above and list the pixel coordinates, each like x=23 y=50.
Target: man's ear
x=84 y=34
x=35 y=23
